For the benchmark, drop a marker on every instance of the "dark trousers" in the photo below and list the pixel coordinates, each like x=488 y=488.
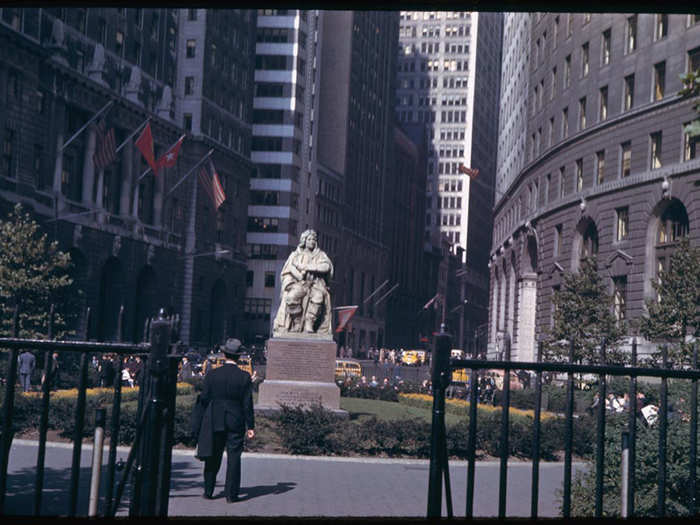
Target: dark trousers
x=25 y=381
x=233 y=441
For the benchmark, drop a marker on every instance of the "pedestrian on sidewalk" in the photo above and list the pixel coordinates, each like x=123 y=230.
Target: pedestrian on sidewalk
x=223 y=417
x=27 y=363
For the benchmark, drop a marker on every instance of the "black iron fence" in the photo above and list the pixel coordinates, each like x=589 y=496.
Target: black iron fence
x=439 y=464
x=149 y=459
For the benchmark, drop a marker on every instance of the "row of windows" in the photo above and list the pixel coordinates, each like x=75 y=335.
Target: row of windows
x=433 y=15
x=631 y=40
x=534 y=199
x=658 y=92
x=448 y=219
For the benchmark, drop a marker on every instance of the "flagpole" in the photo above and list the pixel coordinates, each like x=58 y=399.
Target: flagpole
x=132 y=135
x=375 y=291
x=149 y=168
x=386 y=294
x=95 y=116
x=188 y=173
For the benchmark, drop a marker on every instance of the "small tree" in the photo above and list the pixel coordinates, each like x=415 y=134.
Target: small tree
x=691 y=88
x=33 y=275
x=675 y=314
x=583 y=313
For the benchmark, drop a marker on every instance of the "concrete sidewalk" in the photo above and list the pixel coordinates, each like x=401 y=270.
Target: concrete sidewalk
x=276 y=485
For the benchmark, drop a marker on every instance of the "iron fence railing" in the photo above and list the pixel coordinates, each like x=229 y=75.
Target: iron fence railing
x=156 y=406
x=633 y=371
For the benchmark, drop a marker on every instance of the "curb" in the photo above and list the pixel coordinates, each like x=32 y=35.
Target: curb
x=291 y=457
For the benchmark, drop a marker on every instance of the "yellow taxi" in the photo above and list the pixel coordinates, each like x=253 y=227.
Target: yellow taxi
x=347 y=368
x=413 y=357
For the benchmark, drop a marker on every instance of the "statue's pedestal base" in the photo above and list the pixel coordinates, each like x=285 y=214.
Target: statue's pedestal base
x=299 y=372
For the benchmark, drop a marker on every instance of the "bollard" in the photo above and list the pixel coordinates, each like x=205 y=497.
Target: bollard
x=97 y=461
x=625 y=474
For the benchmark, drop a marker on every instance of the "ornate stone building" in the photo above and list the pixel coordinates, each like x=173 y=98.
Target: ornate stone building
x=129 y=232
x=608 y=170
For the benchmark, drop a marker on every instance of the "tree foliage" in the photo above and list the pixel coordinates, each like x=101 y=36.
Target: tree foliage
x=675 y=314
x=33 y=275
x=583 y=314
x=691 y=88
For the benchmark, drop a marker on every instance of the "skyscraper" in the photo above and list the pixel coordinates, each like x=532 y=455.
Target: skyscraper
x=448 y=79
x=354 y=152
x=283 y=187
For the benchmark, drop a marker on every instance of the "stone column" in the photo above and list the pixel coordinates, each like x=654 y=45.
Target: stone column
x=510 y=323
x=158 y=199
x=493 y=312
x=89 y=167
x=127 y=174
x=135 y=201
x=188 y=266
x=527 y=308
x=98 y=195
x=502 y=303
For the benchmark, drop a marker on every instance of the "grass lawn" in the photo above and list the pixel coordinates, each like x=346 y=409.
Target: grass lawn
x=388 y=411
x=361 y=409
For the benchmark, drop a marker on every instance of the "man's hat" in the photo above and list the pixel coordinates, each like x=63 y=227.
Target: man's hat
x=233 y=348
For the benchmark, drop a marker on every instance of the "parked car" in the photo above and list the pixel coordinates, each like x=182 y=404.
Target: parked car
x=347 y=368
x=413 y=357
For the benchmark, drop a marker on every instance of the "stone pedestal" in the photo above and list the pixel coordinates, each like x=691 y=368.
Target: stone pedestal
x=299 y=372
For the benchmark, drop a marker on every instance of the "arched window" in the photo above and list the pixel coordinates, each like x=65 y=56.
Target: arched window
x=673 y=226
x=589 y=246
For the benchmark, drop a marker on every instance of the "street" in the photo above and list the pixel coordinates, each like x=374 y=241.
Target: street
x=300 y=486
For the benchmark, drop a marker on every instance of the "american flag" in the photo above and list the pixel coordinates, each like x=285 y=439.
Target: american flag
x=212 y=185
x=472 y=172
x=106 y=150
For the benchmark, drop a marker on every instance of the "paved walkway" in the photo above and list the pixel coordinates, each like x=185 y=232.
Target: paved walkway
x=299 y=486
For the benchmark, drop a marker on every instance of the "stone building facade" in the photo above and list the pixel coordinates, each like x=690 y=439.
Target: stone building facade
x=608 y=169
x=128 y=232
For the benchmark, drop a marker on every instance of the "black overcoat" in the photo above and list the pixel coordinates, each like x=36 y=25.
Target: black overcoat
x=225 y=404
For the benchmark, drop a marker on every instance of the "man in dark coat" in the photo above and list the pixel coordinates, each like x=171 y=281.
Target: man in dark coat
x=26 y=362
x=107 y=372
x=224 y=415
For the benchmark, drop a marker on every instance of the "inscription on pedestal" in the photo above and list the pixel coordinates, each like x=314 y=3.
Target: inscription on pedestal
x=296 y=397
x=297 y=360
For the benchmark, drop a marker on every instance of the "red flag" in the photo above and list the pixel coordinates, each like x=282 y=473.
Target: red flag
x=169 y=158
x=472 y=172
x=345 y=313
x=106 y=150
x=145 y=144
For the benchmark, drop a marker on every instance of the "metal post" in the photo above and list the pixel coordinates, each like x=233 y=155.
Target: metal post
x=600 y=445
x=7 y=409
x=624 y=474
x=568 y=435
x=441 y=360
x=114 y=427
x=536 y=438
x=663 y=423
x=505 y=409
x=154 y=404
x=79 y=425
x=43 y=422
x=100 y=416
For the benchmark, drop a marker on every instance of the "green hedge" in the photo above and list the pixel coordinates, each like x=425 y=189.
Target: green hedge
x=318 y=431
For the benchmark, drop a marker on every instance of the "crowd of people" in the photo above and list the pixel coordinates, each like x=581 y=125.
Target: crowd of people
x=106 y=369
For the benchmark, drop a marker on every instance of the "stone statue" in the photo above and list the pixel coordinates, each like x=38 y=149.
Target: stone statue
x=305 y=300
x=165 y=103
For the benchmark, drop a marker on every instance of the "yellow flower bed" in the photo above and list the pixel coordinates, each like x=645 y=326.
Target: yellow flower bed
x=72 y=393
x=462 y=404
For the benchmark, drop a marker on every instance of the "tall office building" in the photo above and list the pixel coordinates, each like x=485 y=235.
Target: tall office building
x=448 y=79
x=214 y=93
x=608 y=171
x=283 y=189
x=354 y=152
